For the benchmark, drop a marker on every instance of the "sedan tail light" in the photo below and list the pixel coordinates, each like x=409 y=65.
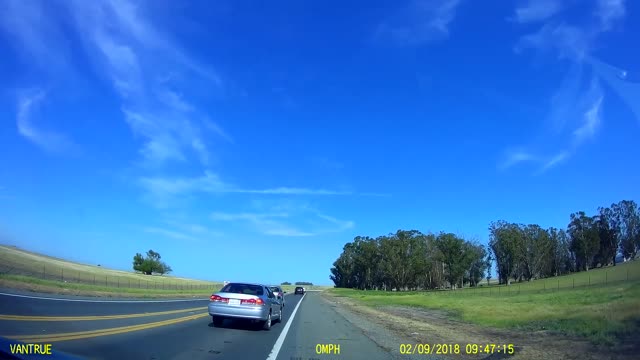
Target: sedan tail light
x=257 y=301
x=217 y=298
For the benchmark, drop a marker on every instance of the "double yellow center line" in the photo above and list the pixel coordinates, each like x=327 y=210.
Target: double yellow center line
x=49 y=338
x=93 y=317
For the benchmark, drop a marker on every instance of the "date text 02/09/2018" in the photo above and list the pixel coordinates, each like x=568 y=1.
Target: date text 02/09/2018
x=455 y=349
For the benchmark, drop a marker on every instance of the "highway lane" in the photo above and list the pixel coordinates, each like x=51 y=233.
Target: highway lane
x=23 y=304
x=319 y=323
x=315 y=323
x=23 y=315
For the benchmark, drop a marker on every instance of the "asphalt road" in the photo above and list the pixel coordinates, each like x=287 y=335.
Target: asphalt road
x=103 y=329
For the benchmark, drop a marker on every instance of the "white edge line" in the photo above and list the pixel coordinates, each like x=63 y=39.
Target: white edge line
x=102 y=301
x=273 y=355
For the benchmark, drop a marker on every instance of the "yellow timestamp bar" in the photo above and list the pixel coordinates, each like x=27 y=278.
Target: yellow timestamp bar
x=30 y=349
x=456 y=349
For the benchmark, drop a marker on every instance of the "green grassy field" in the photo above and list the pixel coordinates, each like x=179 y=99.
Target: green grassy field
x=621 y=272
x=603 y=312
x=291 y=288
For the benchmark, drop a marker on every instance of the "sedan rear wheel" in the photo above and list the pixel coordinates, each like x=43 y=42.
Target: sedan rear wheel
x=266 y=325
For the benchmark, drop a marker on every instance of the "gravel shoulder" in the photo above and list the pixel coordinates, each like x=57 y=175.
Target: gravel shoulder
x=386 y=338
x=390 y=326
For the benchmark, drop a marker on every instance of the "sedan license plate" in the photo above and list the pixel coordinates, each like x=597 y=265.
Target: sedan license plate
x=234 y=302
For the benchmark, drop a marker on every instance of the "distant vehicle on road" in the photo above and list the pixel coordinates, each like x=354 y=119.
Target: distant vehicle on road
x=299 y=290
x=243 y=301
x=278 y=292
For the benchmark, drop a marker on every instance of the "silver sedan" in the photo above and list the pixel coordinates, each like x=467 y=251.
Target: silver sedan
x=245 y=301
x=279 y=293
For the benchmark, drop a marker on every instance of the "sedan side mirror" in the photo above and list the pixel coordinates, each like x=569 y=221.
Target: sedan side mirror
x=284 y=292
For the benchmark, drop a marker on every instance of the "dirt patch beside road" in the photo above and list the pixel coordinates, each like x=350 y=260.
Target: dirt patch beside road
x=422 y=326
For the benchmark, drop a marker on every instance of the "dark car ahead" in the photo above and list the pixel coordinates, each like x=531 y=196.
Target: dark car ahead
x=299 y=290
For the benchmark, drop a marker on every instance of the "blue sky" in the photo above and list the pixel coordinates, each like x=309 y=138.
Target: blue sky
x=250 y=141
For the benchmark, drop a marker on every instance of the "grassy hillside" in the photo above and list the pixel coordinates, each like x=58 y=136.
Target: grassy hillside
x=27 y=270
x=603 y=312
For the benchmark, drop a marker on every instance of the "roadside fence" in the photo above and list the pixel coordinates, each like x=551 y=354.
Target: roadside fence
x=598 y=278
x=87 y=275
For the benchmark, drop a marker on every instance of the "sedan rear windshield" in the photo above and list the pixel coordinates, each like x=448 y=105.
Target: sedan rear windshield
x=243 y=289
x=275 y=288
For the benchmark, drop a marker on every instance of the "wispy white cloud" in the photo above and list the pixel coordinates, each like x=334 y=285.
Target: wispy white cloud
x=582 y=115
x=180 y=228
x=572 y=41
x=543 y=162
x=620 y=82
x=537 y=10
x=297 y=221
x=265 y=223
x=565 y=99
x=150 y=74
x=564 y=40
x=154 y=77
x=163 y=189
x=609 y=12
x=291 y=191
x=422 y=21
x=170 y=233
x=221 y=216
x=341 y=224
x=195 y=230
x=517 y=156
x=575 y=109
x=591 y=122
x=49 y=140
x=554 y=160
x=36 y=35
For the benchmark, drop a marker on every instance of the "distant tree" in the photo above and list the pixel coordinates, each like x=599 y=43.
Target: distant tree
x=536 y=249
x=627 y=217
x=561 y=259
x=138 y=261
x=150 y=264
x=504 y=240
x=488 y=260
x=457 y=256
x=343 y=268
x=153 y=255
x=396 y=250
x=163 y=269
x=477 y=259
x=410 y=260
x=585 y=240
x=303 y=283
x=609 y=235
x=285 y=283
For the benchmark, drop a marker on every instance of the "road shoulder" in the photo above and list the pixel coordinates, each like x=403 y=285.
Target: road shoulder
x=419 y=326
x=374 y=328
